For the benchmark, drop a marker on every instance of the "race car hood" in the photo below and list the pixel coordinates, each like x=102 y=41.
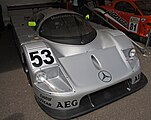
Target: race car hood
x=87 y=71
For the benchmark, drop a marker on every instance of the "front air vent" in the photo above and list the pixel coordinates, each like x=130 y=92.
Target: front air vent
x=96 y=62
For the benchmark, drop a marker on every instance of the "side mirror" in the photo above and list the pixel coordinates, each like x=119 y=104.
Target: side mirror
x=32 y=23
x=87 y=17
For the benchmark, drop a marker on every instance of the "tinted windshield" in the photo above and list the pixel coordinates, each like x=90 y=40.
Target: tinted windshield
x=144 y=7
x=67 y=29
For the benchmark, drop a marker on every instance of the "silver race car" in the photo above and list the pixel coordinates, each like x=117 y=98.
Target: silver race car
x=74 y=66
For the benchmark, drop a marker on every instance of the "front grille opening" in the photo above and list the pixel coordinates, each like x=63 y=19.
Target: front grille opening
x=106 y=95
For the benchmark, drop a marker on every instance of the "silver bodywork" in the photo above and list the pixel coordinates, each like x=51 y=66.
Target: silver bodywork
x=77 y=70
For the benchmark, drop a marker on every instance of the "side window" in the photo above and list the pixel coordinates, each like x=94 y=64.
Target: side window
x=125 y=7
x=129 y=8
x=119 y=6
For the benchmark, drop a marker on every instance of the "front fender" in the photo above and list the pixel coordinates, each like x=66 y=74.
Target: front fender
x=37 y=56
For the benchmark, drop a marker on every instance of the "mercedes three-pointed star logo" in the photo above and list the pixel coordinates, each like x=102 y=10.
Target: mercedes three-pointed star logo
x=105 y=76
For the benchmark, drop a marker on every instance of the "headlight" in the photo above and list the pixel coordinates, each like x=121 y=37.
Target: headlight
x=41 y=77
x=131 y=57
x=132 y=53
x=52 y=80
x=129 y=53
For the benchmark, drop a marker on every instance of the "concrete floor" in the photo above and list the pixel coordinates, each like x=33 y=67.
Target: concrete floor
x=17 y=99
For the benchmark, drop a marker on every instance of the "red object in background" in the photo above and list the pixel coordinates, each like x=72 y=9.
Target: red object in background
x=69 y=4
x=133 y=16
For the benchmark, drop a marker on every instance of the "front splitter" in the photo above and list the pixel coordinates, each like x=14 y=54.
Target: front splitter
x=96 y=100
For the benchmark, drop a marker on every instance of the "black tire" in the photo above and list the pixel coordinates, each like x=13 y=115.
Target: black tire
x=26 y=70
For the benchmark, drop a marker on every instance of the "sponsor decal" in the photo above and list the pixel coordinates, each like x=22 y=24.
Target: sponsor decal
x=105 y=76
x=67 y=104
x=118 y=18
x=133 y=24
x=41 y=57
x=45 y=97
x=45 y=100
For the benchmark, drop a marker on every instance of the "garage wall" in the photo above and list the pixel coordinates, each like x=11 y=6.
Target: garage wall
x=17 y=2
x=5 y=3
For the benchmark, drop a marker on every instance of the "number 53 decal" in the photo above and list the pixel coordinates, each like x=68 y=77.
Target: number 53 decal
x=41 y=57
